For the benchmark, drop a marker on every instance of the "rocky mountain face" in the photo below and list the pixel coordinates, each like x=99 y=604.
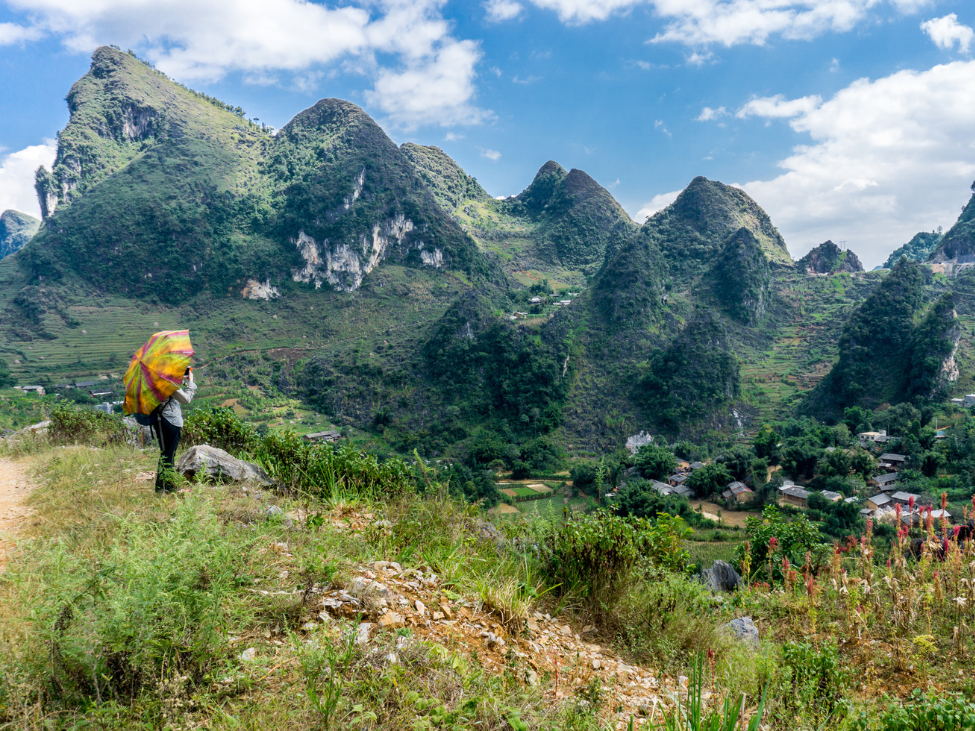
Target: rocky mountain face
x=742 y=278
x=957 y=246
x=691 y=231
x=160 y=191
x=883 y=355
x=16 y=229
x=828 y=258
x=448 y=182
x=919 y=248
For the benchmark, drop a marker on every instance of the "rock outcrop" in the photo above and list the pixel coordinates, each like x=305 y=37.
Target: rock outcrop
x=16 y=229
x=721 y=577
x=828 y=258
x=216 y=464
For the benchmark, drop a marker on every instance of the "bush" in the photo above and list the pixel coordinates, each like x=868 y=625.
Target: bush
x=596 y=556
x=813 y=684
x=931 y=712
x=219 y=427
x=154 y=609
x=70 y=424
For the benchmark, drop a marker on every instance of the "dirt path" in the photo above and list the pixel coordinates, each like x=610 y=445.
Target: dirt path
x=14 y=488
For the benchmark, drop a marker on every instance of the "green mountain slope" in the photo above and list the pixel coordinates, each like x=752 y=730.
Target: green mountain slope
x=884 y=357
x=919 y=248
x=16 y=229
x=957 y=246
x=828 y=258
x=692 y=229
x=448 y=182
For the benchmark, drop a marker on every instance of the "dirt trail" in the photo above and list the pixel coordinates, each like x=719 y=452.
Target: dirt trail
x=14 y=488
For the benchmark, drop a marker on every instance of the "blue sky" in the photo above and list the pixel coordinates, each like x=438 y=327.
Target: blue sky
x=845 y=119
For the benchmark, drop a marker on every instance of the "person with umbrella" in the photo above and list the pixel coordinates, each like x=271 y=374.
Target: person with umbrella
x=168 y=428
x=158 y=383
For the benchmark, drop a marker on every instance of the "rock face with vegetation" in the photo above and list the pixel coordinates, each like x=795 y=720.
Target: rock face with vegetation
x=884 y=356
x=957 y=246
x=919 y=248
x=691 y=231
x=447 y=181
x=828 y=258
x=741 y=278
x=16 y=229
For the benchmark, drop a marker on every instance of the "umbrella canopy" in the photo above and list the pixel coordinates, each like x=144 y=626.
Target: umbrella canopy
x=156 y=370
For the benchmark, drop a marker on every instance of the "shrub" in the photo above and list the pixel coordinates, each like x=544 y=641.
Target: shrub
x=596 y=556
x=154 y=609
x=219 y=427
x=70 y=424
x=813 y=683
x=925 y=712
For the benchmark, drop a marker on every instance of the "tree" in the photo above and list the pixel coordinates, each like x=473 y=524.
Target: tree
x=655 y=463
x=930 y=462
x=799 y=456
x=836 y=463
x=708 y=480
x=638 y=499
x=792 y=539
x=738 y=460
x=862 y=463
x=583 y=476
x=6 y=377
x=766 y=443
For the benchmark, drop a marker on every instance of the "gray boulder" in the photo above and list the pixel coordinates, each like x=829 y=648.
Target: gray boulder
x=137 y=434
x=721 y=577
x=217 y=464
x=743 y=629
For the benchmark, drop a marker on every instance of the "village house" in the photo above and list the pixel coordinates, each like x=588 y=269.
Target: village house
x=969 y=400
x=892 y=461
x=323 y=436
x=684 y=491
x=831 y=496
x=535 y=301
x=940 y=515
x=878 y=502
x=794 y=496
x=35 y=390
x=677 y=479
x=957 y=402
x=904 y=498
x=695 y=465
x=738 y=491
x=884 y=482
x=662 y=488
x=878 y=437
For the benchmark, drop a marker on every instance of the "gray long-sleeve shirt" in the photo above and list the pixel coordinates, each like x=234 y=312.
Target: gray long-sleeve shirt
x=171 y=410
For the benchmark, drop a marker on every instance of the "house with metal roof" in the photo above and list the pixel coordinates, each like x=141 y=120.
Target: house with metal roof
x=795 y=496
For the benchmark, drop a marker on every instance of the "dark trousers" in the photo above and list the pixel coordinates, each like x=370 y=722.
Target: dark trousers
x=168 y=436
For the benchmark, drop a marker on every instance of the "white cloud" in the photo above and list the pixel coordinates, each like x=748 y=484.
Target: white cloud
x=501 y=10
x=17 y=176
x=492 y=155
x=406 y=46
x=432 y=90
x=700 y=23
x=947 y=31
x=699 y=59
x=11 y=33
x=707 y=114
x=453 y=137
x=657 y=203
x=887 y=158
x=659 y=124
x=834 y=65
x=777 y=107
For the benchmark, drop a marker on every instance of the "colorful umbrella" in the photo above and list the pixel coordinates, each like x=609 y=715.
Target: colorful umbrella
x=156 y=370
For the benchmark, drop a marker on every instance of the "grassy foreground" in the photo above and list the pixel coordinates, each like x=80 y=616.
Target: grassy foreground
x=121 y=609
